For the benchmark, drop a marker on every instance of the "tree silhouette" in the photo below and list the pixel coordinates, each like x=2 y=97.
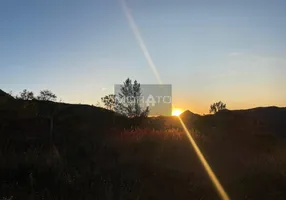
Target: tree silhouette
x=109 y=101
x=127 y=102
x=26 y=95
x=47 y=95
x=215 y=107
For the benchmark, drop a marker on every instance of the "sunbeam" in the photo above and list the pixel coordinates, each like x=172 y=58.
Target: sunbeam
x=222 y=193
x=141 y=43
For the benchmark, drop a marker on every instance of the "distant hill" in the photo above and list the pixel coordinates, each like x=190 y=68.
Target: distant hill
x=260 y=120
x=257 y=121
x=4 y=97
x=4 y=94
x=32 y=117
x=260 y=114
x=189 y=118
x=189 y=115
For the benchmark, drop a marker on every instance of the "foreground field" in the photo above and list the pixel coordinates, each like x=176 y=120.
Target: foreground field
x=141 y=164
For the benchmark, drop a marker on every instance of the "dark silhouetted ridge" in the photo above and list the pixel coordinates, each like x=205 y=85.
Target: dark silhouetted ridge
x=4 y=94
x=260 y=120
x=189 y=114
x=189 y=118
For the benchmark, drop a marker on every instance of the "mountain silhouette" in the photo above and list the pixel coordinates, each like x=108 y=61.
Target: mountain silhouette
x=189 y=114
x=260 y=120
x=4 y=94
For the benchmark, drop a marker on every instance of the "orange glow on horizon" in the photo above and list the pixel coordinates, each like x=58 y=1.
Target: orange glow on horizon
x=177 y=112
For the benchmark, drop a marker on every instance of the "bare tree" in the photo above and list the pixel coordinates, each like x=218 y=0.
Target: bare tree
x=108 y=101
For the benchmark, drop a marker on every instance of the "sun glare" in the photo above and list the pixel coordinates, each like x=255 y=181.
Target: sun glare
x=177 y=112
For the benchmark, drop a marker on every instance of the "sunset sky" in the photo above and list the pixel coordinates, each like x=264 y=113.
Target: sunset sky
x=233 y=51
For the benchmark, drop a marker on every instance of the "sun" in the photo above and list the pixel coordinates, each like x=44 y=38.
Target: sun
x=177 y=112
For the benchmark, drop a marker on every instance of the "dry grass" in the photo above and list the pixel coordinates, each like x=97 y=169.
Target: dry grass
x=143 y=164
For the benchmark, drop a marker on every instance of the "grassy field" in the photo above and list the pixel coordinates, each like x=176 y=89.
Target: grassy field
x=141 y=164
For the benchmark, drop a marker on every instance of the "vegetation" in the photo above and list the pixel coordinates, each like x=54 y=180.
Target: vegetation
x=93 y=153
x=47 y=95
x=127 y=101
x=216 y=107
x=109 y=101
x=26 y=95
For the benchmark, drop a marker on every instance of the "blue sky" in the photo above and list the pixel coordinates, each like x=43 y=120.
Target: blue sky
x=234 y=51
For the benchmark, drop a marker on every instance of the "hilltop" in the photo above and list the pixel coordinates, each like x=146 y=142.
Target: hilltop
x=260 y=120
x=33 y=117
x=4 y=94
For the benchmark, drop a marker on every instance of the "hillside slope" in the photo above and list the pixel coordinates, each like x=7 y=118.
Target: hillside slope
x=262 y=120
x=33 y=117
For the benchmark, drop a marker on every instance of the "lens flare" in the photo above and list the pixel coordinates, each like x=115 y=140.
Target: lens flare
x=140 y=40
x=205 y=164
x=208 y=169
x=176 y=112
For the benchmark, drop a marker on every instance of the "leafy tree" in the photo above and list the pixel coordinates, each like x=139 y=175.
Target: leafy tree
x=47 y=95
x=26 y=95
x=127 y=102
x=215 y=107
x=109 y=101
